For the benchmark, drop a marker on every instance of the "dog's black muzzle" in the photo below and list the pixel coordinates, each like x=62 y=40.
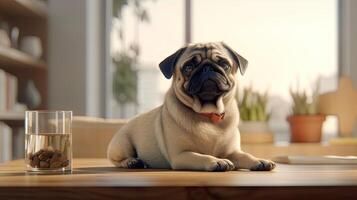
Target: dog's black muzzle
x=208 y=83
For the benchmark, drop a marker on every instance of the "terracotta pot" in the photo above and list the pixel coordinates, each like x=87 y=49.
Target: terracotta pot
x=306 y=128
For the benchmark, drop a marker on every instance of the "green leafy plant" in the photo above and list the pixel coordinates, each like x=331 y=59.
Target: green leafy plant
x=125 y=74
x=253 y=105
x=124 y=80
x=303 y=104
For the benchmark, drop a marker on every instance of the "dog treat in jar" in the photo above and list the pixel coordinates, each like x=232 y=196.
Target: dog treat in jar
x=48 y=142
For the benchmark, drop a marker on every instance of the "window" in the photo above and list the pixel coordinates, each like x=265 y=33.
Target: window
x=287 y=43
x=157 y=38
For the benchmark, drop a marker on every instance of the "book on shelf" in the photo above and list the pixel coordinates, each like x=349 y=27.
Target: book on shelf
x=8 y=91
x=5 y=143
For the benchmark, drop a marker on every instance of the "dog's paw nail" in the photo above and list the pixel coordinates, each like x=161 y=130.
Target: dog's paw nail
x=222 y=165
x=264 y=165
x=135 y=163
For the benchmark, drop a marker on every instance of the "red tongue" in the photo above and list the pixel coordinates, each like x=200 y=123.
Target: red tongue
x=214 y=117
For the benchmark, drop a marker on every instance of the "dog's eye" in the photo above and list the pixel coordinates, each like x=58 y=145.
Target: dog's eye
x=187 y=69
x=225 y=65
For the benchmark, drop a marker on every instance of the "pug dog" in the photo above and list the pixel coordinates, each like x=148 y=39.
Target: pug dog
x=196 y=128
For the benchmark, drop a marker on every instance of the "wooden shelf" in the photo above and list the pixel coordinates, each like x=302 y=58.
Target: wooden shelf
x=10 y=57
x=7 y=116
x=24 y=9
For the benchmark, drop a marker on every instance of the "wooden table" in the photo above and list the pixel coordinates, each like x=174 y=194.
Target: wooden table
x=97 y=179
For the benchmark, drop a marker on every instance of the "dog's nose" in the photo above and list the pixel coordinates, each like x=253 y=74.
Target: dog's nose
x=209 y=85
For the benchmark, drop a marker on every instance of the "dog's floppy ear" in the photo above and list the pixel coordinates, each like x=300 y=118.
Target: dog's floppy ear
x=167 y=66
x=242 y=62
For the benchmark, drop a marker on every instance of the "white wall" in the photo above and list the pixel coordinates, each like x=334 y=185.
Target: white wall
x=348 y=38
x=348 y=41
x=75 y=44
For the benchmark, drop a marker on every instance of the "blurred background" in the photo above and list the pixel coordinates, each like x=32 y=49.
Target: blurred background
x=100 y=58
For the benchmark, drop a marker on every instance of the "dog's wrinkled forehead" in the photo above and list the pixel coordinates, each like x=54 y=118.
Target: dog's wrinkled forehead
x=203 y=51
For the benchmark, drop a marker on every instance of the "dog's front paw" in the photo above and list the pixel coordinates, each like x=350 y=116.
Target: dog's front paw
x=134 y=163
x=264 y=165
x=221 y=165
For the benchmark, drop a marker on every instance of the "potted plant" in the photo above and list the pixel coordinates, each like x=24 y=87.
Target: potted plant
x=306 y=121
x=254 y=117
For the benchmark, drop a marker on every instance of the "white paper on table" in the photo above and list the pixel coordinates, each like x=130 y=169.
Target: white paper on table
x=316 y=160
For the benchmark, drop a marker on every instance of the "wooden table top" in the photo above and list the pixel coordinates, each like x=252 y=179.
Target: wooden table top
x=100 y=173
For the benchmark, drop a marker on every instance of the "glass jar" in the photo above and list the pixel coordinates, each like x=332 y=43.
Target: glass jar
x=48 y=142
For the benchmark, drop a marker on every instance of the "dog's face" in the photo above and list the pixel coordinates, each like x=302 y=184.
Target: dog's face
x=204 y=75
